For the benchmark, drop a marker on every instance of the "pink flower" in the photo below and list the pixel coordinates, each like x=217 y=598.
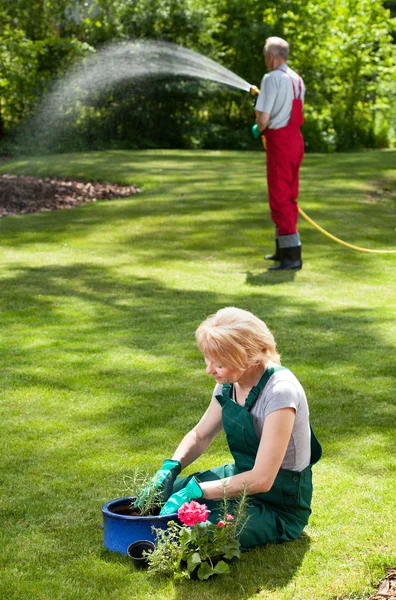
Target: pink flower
x=193 y=512
x=229 y=517
x=221 y=524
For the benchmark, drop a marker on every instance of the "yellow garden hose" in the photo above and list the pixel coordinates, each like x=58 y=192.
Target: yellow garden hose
x=333 y=237
x=336 y=239
x=255 y=91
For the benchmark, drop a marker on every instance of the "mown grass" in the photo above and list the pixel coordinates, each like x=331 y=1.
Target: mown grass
x=100 y=372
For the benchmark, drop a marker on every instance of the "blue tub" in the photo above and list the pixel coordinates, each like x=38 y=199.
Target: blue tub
x=120 y=530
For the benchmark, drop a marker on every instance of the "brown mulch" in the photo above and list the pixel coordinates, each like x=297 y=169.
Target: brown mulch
x=383 y=191
x=21 y=194
x=387 y=587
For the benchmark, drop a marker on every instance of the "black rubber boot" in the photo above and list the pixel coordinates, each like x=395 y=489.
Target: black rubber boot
x=275 y=255
x=290 y=259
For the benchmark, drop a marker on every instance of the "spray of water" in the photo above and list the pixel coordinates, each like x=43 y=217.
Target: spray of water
x=121 y=62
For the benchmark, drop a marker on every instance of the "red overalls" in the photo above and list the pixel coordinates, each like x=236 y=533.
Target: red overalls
x=285 y=151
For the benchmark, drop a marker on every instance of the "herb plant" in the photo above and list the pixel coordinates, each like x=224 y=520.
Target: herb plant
x=147 y=499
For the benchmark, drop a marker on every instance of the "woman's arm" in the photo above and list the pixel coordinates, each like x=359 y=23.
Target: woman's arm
x=199 y=439
x=277 y=430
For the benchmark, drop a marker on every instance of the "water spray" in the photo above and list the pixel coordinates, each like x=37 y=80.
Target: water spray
x=120 y=62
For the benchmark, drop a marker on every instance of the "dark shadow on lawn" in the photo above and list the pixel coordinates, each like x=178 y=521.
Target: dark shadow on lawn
x=144 y=316
x=270 y=277
x=245 y=582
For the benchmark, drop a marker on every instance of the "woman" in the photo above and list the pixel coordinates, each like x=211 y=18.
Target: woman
x=263 y=410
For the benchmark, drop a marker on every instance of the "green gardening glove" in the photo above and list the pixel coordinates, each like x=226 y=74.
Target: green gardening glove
x=192 y=491
x=256 y=132
x=163 y=480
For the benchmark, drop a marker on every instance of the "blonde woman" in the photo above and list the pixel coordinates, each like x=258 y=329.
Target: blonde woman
x=263 y=411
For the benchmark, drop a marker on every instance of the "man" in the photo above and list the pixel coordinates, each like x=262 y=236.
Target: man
x=279 y=118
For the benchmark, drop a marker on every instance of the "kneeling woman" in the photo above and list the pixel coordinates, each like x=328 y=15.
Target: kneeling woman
x=263 y=410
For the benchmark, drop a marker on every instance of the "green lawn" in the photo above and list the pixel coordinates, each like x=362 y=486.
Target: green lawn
x=100 y=372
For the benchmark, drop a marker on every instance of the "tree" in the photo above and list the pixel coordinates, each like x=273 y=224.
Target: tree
x=349 y=73
x=342 y=48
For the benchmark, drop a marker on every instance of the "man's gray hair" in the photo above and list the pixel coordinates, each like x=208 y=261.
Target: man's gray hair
x=277 y=47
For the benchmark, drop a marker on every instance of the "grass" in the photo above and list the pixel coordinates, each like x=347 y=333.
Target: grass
x=100 y=372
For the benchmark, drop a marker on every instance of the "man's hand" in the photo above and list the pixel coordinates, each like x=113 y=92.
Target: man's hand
x=256 y=132
x=192 y=491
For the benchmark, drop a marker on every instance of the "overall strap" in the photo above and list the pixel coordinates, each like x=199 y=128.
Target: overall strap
x=293 y=84
x=226 y=394
x=257 y=389
x=300 y=85
x=227 y=390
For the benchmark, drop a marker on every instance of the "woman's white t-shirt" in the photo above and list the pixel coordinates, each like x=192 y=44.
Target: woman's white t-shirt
x=283 y=390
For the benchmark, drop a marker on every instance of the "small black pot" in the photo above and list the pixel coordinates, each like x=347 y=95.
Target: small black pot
x=135 y=553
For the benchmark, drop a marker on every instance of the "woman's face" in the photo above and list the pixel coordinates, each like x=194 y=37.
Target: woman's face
x=223 y=374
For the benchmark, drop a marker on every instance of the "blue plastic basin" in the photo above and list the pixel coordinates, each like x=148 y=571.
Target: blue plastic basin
x=121 y=530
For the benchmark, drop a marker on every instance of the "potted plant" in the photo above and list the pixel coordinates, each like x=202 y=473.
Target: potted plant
x=197 y=548
x=125 y=520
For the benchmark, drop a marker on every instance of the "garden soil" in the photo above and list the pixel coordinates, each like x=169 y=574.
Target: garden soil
x=21 y=194
x=387 y=588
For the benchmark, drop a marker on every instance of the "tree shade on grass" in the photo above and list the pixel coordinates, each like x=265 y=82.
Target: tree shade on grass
x=100 y=372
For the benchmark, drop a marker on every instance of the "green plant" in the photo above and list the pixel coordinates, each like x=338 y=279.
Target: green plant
x=199 y=547
x=147 y=499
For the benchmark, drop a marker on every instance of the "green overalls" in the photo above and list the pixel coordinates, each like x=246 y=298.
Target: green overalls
x=280 y=514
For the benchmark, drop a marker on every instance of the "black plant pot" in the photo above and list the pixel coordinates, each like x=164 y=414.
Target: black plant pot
x=135 y=553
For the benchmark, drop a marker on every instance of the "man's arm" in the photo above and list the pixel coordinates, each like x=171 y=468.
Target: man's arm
x=201 y=436
x=262 y=120
x=265 y=102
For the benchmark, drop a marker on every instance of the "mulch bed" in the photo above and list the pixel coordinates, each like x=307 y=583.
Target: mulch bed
x=387 y=587
x=20 y=194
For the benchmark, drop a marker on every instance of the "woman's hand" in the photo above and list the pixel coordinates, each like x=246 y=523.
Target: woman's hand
x=163 y=480
x=192 y=491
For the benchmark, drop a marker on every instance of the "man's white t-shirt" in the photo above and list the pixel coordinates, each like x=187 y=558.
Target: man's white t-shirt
x=276 y=95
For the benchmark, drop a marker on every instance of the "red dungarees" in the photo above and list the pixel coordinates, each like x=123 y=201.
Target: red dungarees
x=285 y=151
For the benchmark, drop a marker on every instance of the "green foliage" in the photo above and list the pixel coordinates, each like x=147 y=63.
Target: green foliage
x=147 y=497
x=176 y=21
x=28 y=64
x=349 y=75
x=19 y=61
x=203 y=547
x=342 y=48
x=163 y=561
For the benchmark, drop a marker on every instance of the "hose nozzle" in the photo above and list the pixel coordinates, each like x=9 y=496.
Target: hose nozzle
x=254 y=91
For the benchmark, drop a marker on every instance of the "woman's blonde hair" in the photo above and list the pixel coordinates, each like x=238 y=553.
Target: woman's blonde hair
x=236 y=338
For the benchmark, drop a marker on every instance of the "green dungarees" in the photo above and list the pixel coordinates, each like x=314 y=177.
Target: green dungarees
x=280 y=514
